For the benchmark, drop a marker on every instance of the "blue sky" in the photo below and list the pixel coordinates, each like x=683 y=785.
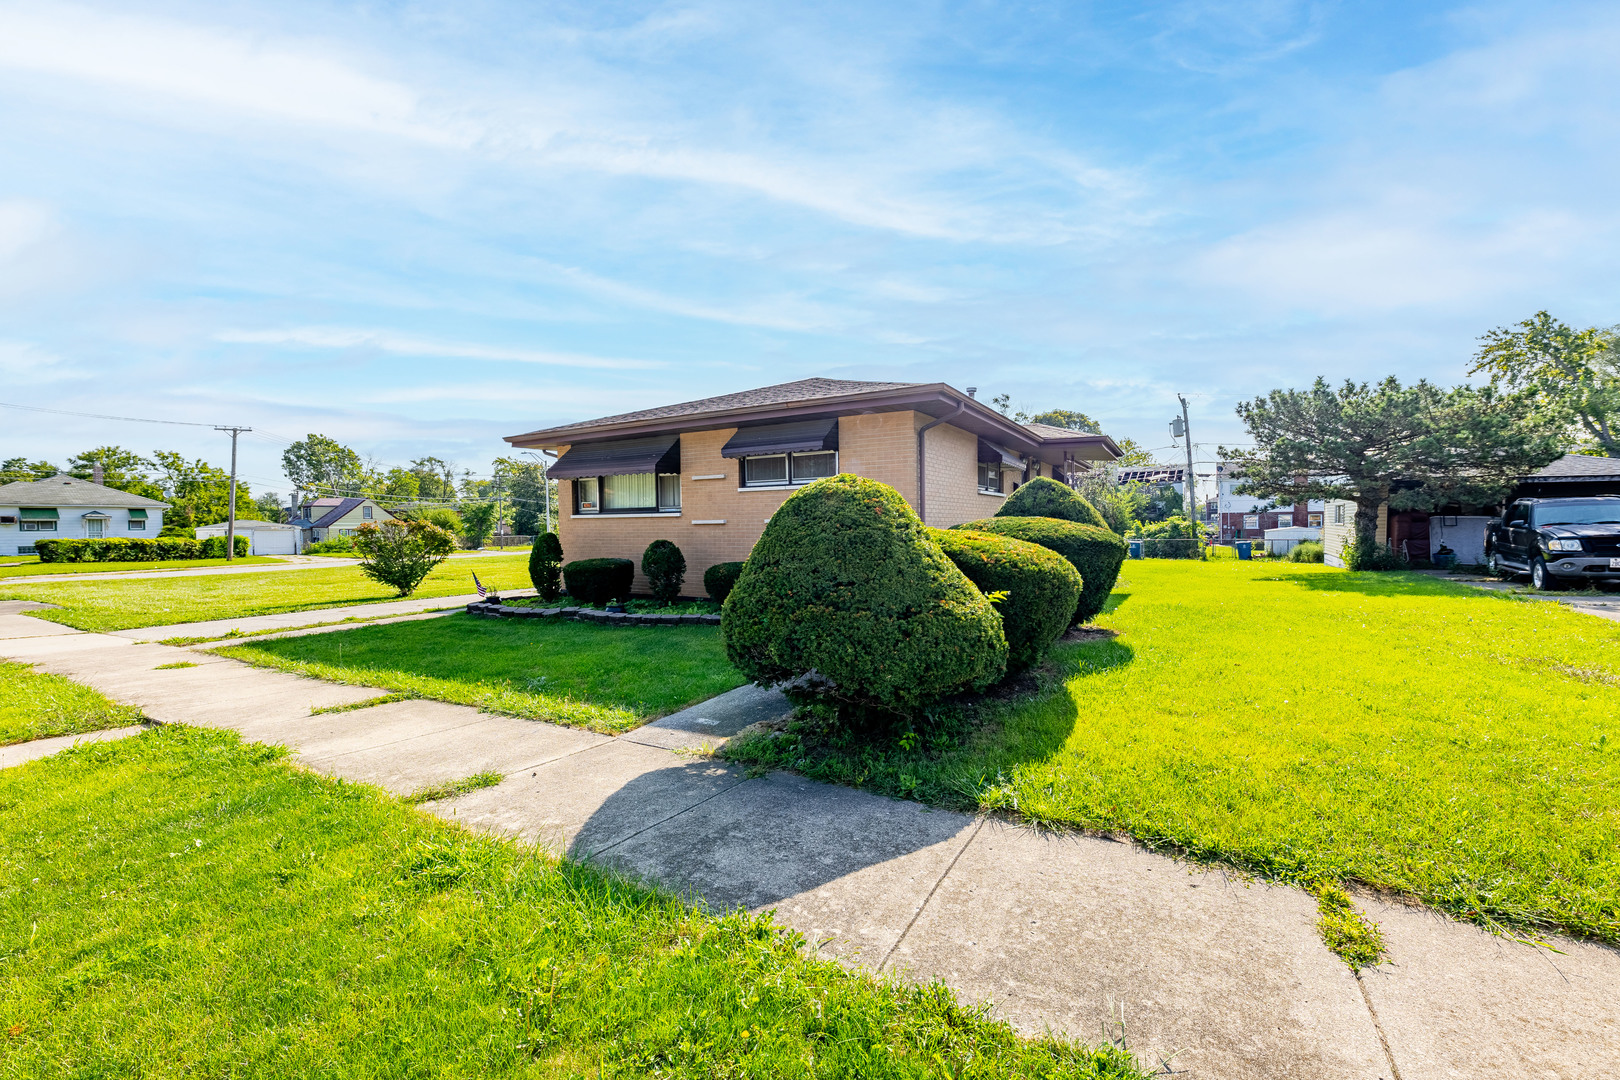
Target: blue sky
x=417 y=227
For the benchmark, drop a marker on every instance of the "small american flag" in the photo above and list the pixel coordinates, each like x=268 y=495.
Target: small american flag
x=482 y=592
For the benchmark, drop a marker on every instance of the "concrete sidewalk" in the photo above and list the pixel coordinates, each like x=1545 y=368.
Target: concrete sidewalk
x=1216 y=976
x=285 y=562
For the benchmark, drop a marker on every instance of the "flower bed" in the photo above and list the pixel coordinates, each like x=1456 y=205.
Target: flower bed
x=586 y=614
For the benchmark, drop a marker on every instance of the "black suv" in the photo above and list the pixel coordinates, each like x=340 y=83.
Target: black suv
x=1558 y=542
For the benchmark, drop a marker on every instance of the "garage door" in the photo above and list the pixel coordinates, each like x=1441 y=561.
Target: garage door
x=272 y=541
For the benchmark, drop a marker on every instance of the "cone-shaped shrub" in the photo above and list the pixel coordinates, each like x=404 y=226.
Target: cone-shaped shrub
x=545 y=565
x=1093 y=550
x=846 y=583
x=1042 y=588
x=1045 y=497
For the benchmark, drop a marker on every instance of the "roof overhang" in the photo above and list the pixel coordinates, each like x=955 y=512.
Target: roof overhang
x=656 y=453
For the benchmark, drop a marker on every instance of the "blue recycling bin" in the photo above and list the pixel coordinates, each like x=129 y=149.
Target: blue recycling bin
x=1242 y=548
x=1136 y=548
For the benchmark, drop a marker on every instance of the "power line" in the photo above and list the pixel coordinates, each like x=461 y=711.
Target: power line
x=101 y=416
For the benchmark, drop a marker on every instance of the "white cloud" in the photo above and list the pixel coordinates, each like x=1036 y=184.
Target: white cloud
x=25 y=364
x=326 y=337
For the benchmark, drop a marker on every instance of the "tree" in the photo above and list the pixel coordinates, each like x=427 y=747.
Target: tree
x=523 y=482
x=322 y=465
x=399 y=486
x=1415 y=447
x=1574 y=374
x=21 y=470
x=1133 y=456
x=268 y=507
x=477 y=523
x=1064 y=418
x=435 y=478
x=400 y=554
x=120 y=468
x=201 y=490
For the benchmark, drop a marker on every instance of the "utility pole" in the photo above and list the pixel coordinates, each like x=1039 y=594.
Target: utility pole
x=1192 y=490
x=230 y=512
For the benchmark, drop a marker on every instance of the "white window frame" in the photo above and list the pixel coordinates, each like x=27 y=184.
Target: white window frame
x=1315 y=521
x=987 y=489
x=584 y=508
x=1338 y=514
x=38 y=525
x=137 y=524
x=788 y=481
x=1251 y=521
x=365 y=512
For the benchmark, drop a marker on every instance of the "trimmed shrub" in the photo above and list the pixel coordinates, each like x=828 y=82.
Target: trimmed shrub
x=720 y=579
x=1049 y=498
x=545 y=566
x=136 y=549
x=845 y=583
x=1096 y=551
x=665 y=568
x=335 y=545
x=596 y=581
x=1042 y=588
x=213 y=547
x=400 y=554
x=1307 y=551
x=1373 y=556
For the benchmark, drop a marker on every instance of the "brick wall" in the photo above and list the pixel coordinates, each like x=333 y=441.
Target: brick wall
x=719 y=522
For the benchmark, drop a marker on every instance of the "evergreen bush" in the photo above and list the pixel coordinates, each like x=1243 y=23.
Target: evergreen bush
x=846 y=584
x=1373 y=556
x=720 y=579
x=135 y=549
x=1048 y=498
x=665 y=568
x=1307 y=551
x=545 y=565
x=597 y=581
x=1042 y=588
x=1096 y=551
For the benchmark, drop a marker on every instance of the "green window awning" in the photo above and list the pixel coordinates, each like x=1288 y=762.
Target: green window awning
x=38 y=513
x=138 y=513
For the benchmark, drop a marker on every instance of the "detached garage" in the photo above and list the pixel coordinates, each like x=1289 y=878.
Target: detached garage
x=264 y=537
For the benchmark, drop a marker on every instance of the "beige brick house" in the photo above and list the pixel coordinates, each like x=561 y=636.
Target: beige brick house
x=708 y=474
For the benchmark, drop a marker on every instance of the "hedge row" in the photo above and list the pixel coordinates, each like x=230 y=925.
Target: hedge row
x=1096 y=551
x=597 y=581
x=123 y=549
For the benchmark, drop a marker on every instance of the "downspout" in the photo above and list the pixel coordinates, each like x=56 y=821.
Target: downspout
x=922 y=467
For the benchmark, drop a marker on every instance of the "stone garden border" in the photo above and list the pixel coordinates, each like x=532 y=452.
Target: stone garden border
x=578 y=614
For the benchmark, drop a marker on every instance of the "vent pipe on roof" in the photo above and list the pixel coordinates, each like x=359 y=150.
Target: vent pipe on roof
x=973 y=392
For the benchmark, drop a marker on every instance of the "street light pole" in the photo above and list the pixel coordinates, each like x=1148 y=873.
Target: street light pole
x=1186 y=426
x=230 y=512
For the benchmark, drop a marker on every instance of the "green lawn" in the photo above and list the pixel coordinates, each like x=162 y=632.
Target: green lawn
x=133 y=602
x=39 y=569
x=607 y=678
x=36 y=706
x=181 y=905
x=1407 y=733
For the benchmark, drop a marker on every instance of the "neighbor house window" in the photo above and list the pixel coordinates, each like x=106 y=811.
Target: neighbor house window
x=37 y=526
x=628 y=493
x=137 y=524
x=365 y=512
x=990 y=477
x=780 y=470
x=1251 y=521
x=1315 y=520
x=1338 y=514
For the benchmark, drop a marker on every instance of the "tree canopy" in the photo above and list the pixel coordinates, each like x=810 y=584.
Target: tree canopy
x=1416 y=447
x=1573 y=374
x=320 y=464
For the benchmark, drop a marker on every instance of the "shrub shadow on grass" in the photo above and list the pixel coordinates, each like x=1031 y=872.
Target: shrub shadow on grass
x=1385 y=583
x=1115 y=602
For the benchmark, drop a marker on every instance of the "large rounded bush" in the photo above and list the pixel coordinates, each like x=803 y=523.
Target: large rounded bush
x=665 y=568
x=596 y=581
x=720 y=579
x=1042 y=588
x=1093 y=550
x=846 y=583
x=1048 y=498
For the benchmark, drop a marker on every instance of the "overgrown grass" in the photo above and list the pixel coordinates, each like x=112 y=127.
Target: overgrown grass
x=1312 y=725
x=604 y=678
x=36 y=568
x=452 y=788
x=34 y=705
x=134 y=602
x=181 y=905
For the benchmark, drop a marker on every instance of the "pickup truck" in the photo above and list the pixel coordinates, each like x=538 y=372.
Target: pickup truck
x=1558 y=542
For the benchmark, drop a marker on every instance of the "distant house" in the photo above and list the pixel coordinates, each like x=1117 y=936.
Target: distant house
x=67 y=508
x=264 y=537
x=709 y=474
x=327 y=518
x=1244 y=517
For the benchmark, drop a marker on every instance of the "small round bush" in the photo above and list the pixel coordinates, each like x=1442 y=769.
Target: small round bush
x=720 y=579
x=665 y=568
x=545 y=566
x=596 y=581
x=1048 y=498
x=1307 y=551
x=1042 y=588
x=845 y=583
x=1097 y=552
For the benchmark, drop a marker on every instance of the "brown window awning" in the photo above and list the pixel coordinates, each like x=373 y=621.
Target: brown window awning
x=991 y=452
x=657 y=454
x=799 y=437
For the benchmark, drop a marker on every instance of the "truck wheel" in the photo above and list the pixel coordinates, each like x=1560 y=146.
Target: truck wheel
x=1541 y=578
x=1494 y=564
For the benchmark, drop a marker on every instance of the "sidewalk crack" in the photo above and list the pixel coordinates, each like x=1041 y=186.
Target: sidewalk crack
x=915 y=915
x=1378 y=1026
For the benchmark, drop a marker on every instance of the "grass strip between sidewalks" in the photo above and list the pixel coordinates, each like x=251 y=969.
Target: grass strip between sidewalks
x=35 y=705
x=1307 y=724
x=180 y=904
x=607 y=679
x=39 y=569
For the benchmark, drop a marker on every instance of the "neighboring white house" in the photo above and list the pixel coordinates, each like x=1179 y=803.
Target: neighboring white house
x=324 y=519
x=264 y=537
x=67 y=508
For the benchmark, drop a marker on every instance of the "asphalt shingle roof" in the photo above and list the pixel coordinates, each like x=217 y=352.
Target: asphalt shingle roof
x=64 y=490
x=1568 y=466
x=781 y=394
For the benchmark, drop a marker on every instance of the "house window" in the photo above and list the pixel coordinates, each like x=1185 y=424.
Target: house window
x=1315 y=520
x=628 y=493
x=37 y=526
x=1338 y=514
x=365 y=512
x=780 y=470
x=990 y=477
x=1251 y=521
x=137 y=524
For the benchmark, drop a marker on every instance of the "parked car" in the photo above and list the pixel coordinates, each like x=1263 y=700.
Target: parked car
x=1558 y=542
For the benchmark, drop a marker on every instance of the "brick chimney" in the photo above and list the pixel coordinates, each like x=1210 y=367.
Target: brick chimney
x=96 y=474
